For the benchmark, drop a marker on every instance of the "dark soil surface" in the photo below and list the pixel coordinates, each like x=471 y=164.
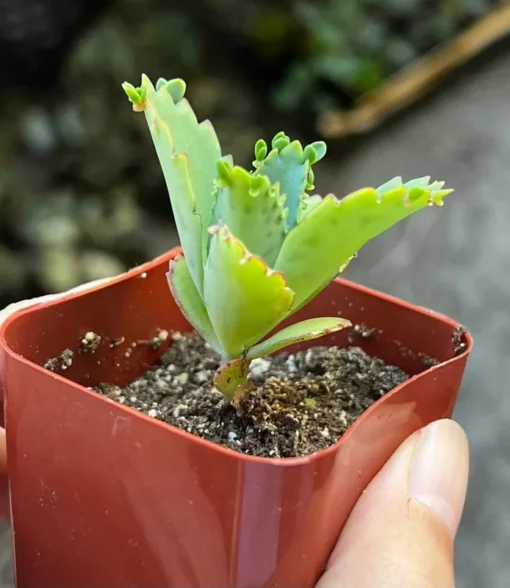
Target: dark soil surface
x=301 y=403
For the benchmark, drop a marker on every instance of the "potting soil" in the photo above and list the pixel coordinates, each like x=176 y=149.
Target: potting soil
x=300 y=403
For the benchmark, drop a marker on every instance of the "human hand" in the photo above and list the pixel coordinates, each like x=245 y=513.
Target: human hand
x=401 y=532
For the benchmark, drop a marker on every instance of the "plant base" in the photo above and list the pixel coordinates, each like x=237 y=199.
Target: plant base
x=300 y=403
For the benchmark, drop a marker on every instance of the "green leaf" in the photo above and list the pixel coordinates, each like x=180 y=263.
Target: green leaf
x=197 y=140
x=297 y=333
x=230 y=376
x=335 y=230
x=135 y=95
x=307 y=204
x=260 y=150
x=187 y=222
x=251 y=209
x=315 y=151
x=244 y=297
x=290 y=166
x=178 y=137
x=176 y=88
x=190 y=302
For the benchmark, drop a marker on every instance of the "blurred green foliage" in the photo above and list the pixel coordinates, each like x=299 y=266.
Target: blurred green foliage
x=330 y=53
x=81 y=195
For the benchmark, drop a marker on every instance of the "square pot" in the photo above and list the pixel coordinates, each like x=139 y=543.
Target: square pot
x=102 y=495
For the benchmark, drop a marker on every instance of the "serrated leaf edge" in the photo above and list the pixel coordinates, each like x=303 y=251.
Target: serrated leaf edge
x=275 y=343
x=223 y=232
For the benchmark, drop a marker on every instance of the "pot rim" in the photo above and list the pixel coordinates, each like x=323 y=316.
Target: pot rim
x=275 y=462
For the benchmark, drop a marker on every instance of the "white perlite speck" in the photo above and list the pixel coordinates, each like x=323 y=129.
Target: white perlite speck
x=183 y=378
x=201 y=377
x=309 y=355
x=343 y=418
x=290 y=364
x=259 y=367
x=177 y=410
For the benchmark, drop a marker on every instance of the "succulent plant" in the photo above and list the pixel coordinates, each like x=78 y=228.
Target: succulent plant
x=257 y=246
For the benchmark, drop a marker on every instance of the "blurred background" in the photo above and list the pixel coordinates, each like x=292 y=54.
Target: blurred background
x=82 y=196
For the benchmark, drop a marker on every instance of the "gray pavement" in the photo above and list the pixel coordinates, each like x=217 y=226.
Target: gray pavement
x=455 y=260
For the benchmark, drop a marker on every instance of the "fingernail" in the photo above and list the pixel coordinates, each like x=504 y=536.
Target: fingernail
x=439 y=471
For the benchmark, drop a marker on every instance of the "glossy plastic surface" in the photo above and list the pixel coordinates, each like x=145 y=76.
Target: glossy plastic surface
x=104 y=496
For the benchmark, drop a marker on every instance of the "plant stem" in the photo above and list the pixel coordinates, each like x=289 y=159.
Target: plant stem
x=230 y=375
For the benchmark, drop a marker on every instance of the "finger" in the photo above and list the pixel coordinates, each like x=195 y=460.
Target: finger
x=401 y=532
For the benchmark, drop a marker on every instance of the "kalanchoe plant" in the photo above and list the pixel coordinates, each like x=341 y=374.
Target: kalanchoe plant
x=257 y=246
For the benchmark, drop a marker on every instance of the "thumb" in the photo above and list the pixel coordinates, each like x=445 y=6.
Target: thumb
x=401 y=532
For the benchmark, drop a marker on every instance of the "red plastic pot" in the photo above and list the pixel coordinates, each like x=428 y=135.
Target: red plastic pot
x=104 y=496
